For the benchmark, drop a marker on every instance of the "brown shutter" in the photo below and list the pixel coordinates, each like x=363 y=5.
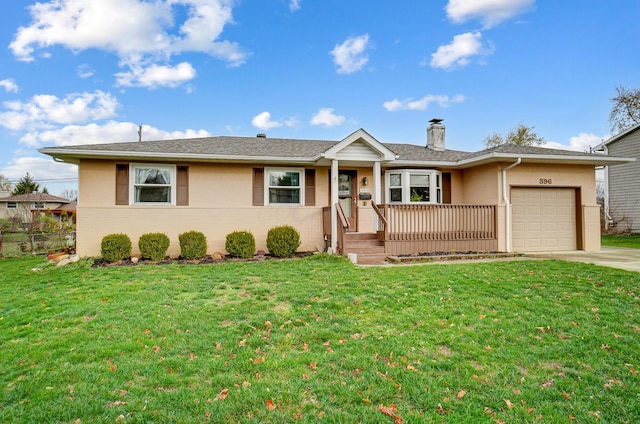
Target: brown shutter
x=446 y=187
x=122 y=184
x=182 y=186
x=309 y=187
x=258 y=186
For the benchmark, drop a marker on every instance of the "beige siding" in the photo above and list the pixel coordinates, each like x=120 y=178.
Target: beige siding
x=220 y=199
x=215 y=223
x=483 y=185
x=624 y=183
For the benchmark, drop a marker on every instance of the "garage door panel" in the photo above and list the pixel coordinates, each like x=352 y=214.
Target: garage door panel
x=543 y=219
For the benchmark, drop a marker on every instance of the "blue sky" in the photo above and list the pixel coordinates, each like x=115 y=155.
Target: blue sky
x=87 y=71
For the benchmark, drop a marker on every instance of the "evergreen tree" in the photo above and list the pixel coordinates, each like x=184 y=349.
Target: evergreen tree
x=26 y=185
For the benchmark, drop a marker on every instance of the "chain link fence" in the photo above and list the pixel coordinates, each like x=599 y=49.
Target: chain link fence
x=23 y=244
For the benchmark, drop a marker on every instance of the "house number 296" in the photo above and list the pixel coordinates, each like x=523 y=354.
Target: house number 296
x=544 y=181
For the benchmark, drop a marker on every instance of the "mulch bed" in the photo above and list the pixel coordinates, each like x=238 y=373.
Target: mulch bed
x=99 y=262
x=450 y=256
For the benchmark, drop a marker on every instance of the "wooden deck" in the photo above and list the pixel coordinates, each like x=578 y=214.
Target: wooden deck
x=413 y=229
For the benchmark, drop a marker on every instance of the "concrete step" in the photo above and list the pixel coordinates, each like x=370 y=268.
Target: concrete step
x=371 y=258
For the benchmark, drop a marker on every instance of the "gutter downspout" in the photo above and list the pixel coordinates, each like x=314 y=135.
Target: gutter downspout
x=507 y=203
x=607 y=216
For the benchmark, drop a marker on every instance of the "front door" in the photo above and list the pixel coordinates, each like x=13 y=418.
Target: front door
x=347 y=181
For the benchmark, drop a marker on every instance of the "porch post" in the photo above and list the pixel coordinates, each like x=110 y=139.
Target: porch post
x=334 y=201
x=377 y=191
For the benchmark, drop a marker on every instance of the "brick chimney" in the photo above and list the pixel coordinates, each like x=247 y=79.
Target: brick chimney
x=435 y=135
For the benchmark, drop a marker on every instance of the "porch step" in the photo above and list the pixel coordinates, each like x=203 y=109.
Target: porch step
x=372 y=258
x=363 y=244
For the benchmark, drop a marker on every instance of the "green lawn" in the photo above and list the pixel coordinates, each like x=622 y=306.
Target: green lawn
x=632 y=241
x=319 y=338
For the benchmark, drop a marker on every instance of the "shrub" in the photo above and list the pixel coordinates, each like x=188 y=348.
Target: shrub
x=283 y=241
x=241 y=244
x=153 y=246
x=193 y=245
x=115 y=247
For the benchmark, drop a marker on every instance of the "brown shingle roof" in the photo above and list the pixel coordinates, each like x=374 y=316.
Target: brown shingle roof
x=35 y=197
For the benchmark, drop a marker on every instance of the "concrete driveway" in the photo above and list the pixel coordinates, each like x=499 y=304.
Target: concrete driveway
x=614 y=257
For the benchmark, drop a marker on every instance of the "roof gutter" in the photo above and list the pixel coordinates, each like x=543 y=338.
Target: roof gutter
x=507 y=203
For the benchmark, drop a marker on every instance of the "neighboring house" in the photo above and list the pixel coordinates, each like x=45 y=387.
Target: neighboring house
x=622 y=181
x=356 y=195
x=23 y=207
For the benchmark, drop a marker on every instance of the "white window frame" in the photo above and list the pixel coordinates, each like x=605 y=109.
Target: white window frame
x=172 y=184
x=301 y=177
x=435 y=185
x=12 y=205
x=39 y=205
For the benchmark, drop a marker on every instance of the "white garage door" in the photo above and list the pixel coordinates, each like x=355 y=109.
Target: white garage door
x=543 y=219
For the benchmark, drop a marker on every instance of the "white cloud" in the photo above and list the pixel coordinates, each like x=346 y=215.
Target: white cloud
x=40 y=168
x=110 y=132
x=489 y=12
x=350 y=56
x=9 y=85
x=327 y=118
x=44 y=111
x=457 y=54
x=580 y=143
x=85 y=71
x=423 y=103
x=156 y=76
x=263 y=121
x=146 y=35
x=294 y=5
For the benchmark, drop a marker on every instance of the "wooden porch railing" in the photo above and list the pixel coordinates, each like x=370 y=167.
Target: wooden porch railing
x=411 y=229
x=438 y=222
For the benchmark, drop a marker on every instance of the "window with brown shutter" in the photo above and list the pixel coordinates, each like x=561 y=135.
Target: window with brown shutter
x=122 y=184
x=182 y=186
x=309 y=187
x=258 y=186
x=446 y=187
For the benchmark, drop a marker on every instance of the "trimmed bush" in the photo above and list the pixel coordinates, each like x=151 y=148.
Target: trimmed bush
x=193 y=245
x=283 y=241
x=241 y=244
x=115 y=247
x=153 y=246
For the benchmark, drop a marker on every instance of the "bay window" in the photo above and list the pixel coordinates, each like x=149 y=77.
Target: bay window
x=414 y=186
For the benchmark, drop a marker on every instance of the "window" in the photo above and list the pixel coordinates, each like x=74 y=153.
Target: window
x=414 y=186
x=38 y=205
x=12 y=205
x=284 y=186
x=153 y=184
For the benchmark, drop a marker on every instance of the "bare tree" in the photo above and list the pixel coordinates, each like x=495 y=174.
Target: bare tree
x=5 y=184
x=625 y=111
x=521 y=135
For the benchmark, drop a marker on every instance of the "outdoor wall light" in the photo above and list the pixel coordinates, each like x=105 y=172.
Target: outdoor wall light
x=365 y=181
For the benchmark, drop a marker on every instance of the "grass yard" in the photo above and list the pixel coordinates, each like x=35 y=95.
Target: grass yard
x=318 y=339
x=631 y=241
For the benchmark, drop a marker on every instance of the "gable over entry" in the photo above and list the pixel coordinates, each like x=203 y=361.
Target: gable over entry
x=358 y=149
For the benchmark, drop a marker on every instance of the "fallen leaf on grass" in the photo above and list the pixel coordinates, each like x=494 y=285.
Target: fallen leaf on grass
x=509 y=404
x=270 y=405
x=223 y=394
x=391 y=411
